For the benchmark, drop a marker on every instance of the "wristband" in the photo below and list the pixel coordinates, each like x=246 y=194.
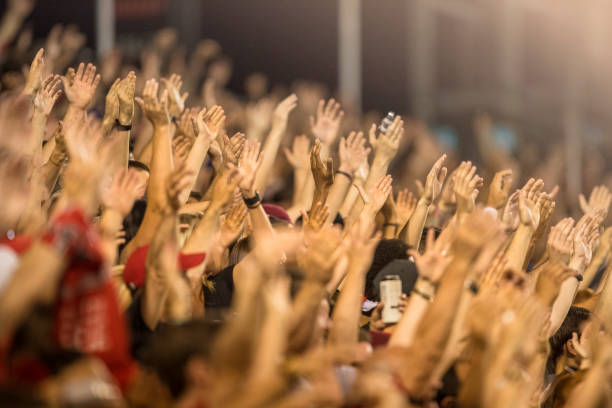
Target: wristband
x=345 y=174
x=119 y=126
x=252 y=202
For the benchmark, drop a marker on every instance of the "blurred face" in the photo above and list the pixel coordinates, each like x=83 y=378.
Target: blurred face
x=143 y=182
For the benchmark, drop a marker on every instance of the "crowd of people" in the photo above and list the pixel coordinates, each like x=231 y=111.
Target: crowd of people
x=166 y=242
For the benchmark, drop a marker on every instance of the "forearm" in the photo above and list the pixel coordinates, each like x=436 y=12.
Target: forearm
x=563 y=303
x=337 y=194
x=121 y=155
x=39 y=124
x=603 y=309
x=74 y=114
x=377 y=171
x=50 y=173
x=260 y=220
x=269 y=151
x=406 y=328
x=194 y=162
x=146 y=154
x=156 y=290
x=304 y=315
x=345 y=327
x=205 y=232
x=434 y=329
x=299 y=180
x=417 y=224
x=270 y=349
x=161 y=167
x=518 y=249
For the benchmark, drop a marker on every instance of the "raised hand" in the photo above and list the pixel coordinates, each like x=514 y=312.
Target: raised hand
x=386 y=144
x=299 y=155
x=405 y=204
x=560 y=241
x=599 y=199
x=234 y=146
x=232 y=224
x=80 y=87
x=500 y=189
x=466 y=184
x=176 y=101
x=435 y=179
x=316 y=220
x=434 y=260
x=209 y=124
x=532 y=189
x=35 y=73
x=550 y=280
x=186 y=125
x=122 y=192
x=362 y=241
x=327 y=122
x=323 y=173
x=250 y=161
x=283 y=109
x=48 y=93
x=177 y=182
x=510 y=216
x=322 y=250
x=585 y=235
x=154 y=108
x=259 y=115
x=125 y=94
x=352 y=152
x=448 y=200
x=476 y=230
x=181 y=146
x=529 y=211
x=378 y=194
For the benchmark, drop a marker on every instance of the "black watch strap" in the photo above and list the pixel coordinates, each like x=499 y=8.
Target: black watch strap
x=119 y=126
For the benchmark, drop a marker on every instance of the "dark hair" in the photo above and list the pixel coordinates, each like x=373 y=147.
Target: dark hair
x=170 y=348
x=576 y=317
x=138 y=165
x=132 y=222
x=387 y=250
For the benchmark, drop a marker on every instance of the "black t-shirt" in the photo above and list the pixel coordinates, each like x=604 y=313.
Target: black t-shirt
x=219 y=298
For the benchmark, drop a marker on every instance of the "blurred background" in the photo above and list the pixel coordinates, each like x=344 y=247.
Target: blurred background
x=540 y=68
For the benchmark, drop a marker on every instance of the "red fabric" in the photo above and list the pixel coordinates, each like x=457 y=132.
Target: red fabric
x=87 y=314
x=378 y=338
x=134 y=271
x=276 y=211
x=18 y=244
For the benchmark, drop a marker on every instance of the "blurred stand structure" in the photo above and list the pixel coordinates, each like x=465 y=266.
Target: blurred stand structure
x=540 y=67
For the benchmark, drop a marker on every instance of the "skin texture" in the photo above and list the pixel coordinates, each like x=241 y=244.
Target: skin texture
x=497 y=288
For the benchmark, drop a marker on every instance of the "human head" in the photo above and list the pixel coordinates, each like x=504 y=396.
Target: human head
x=574 y=322
x=142 y=173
